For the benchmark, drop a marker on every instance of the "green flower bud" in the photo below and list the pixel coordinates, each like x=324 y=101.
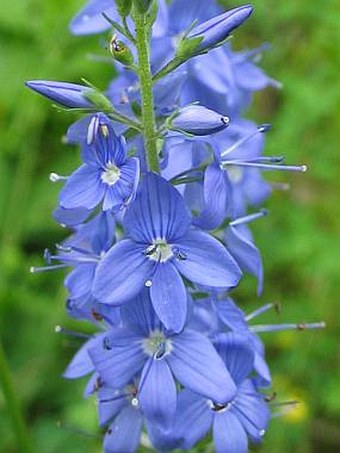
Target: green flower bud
x=142 y=6
x=121 y=52
x=123 y=7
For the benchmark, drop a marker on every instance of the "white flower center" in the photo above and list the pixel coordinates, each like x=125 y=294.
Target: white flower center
x=157 y=345
x=111 y=174
x=159 y=251
x=235 y=174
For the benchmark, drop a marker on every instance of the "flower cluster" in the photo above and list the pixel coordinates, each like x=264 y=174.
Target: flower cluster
x=171 y=178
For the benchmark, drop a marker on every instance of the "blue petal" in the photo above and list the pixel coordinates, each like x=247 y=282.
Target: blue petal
x=83 y=189
x=81 y=363
x=245 y=252
x=216 y=196
x=118 y=358
x=169 y=297
x=196 y=364
x=228 y=433
x=237 y=355
x=159 y=212
x=79 y=281
x=252 y=410
x=70 y=217
x=207 y=261
x=158 y=396
x=232 y=316
x=110 y=402
x=139 y=314
x=90 y=20
x=122 y=273
x=124 y=433
x=193 y=419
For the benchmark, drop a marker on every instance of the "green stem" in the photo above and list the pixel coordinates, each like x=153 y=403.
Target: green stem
x=13 y=406
x=145 y=78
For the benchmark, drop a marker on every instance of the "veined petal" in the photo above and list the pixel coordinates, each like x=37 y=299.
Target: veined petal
x=228 y=433
x=118 y=358
x=252 y=410
x=236 y=354
x=83 y=189
x=158 y=396
x=81 y=363
x=196 y=364
x=124 y=433
x=110 y=403
x=194 y=418
x=79 y=281
x=216 y=195
x=158 y=212
x=139 y=314
x=207 y=261
x=245 y=252
x=121 y=274
x=169 y=297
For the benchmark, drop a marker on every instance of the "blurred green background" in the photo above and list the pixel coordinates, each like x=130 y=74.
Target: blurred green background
x=299 y=239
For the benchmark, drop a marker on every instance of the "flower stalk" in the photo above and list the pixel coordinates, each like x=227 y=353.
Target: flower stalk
x=143 y=29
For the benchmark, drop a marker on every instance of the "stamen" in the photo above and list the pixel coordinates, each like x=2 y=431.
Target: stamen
x=107 y=344
x=92 y=130
x=261 y=310
x=249 y=218
x=34 y=270
x=148 y=283
x=260 y=129
x=302 y=168
x=179 y=254
x=59 y=329
x=280 y=327
x=54 y=177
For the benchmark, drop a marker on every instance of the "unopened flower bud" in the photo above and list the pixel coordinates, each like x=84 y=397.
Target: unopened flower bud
x=198 y=120
x=121 y=52
x=66 y=94
x=142 y=5
x=123 y=7
x=214 y=31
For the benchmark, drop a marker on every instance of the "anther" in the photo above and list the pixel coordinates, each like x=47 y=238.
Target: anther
x=107 y=344
x=264 y=127
x=225 y=120
x=148 y=283
x=60 y=329
x=54 y=177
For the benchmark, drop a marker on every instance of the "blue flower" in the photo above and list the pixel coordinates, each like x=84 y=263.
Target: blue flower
x=142 y=348
x=107 y=174
x=247 y=415
x=160 y=245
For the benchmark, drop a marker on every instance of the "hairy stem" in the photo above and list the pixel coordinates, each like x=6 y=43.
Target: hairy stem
x=143 y=30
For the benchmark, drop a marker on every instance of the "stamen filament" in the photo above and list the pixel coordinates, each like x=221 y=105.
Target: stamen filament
x=249 y=218
x=54 y=177
x=261 y=310
x=34 y=270
x=280 y=327
x=59 y=329
x=302 y=168
x=260 y=129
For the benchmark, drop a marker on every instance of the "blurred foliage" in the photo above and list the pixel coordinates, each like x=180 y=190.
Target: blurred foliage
x=299 y=239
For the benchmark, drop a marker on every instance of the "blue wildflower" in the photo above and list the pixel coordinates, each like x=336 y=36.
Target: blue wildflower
x=246 y=415
x=160 y=245
x=142 y=347
x=107 y=174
